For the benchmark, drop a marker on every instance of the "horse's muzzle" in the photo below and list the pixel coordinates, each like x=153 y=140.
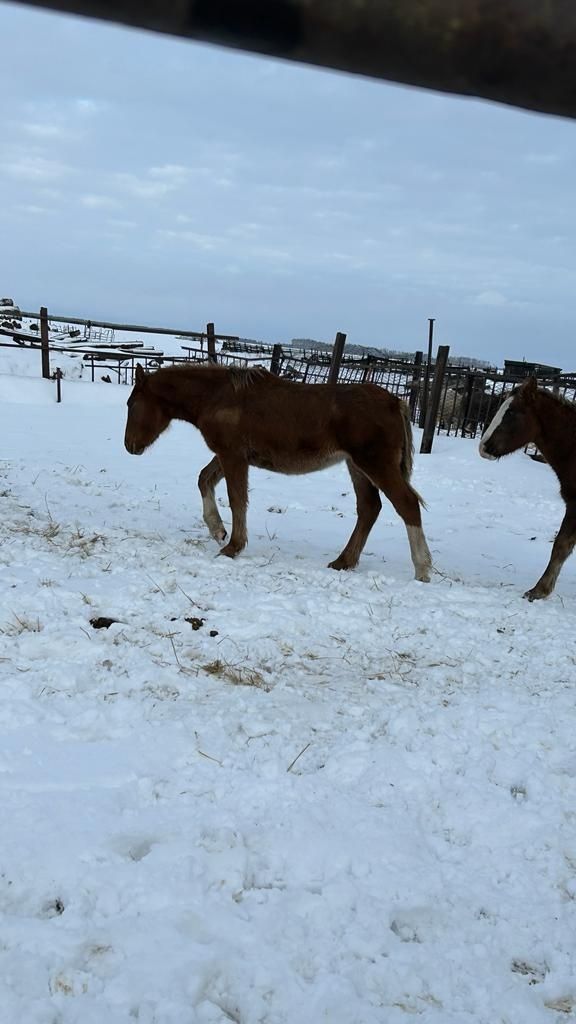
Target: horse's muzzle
x=485 y=453
x=132 y=449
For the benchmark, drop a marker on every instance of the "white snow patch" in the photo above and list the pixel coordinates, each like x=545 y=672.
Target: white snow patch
x=353 y=803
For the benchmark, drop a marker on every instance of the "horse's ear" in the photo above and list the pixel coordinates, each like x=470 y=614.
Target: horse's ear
x=139 y=376
x=529 y=387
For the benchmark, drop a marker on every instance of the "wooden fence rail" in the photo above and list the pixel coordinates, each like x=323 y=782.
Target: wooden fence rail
x=136 y=328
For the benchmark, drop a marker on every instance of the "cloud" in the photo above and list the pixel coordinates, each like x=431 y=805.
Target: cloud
x=157 y=182
x=87 y=107
x=195 y=238
x=121 y=225
x=35 y=168
x=173 y=173
x=543 y=159
x=140 y=188
x=34 y=211
x=44 y=130
x=96 y=202
x=490 y=298
x=246 y=229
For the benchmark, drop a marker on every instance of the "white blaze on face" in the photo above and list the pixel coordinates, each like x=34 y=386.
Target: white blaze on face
x=494 y=426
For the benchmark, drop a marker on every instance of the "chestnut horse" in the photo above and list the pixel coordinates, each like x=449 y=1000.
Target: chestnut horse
x=529 y=414
x=253 y=418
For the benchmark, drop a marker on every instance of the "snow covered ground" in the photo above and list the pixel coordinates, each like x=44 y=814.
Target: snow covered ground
x=344 y=798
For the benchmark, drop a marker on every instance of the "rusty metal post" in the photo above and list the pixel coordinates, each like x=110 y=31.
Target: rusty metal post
x=45 y=342
x=434 y=403
x=415 y=385
x=276 y=359
x=211 y=344
x=336 y=358
x=427 y=373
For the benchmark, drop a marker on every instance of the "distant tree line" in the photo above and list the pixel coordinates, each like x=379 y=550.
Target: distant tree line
x=385 y=353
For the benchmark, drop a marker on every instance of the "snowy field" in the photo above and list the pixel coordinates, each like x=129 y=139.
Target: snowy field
x=343 y=798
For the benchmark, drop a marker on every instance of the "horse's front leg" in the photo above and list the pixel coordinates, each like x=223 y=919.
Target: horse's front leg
x=235 y=470
x=561 y=548
x=208 y=480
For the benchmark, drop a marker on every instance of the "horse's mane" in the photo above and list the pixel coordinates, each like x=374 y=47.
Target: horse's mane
x=561 y=400
x=239 y=376
x=244 y=376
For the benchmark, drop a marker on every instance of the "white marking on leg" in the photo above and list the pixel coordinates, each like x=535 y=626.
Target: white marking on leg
x=420 y=552
x=212 y=516
x=493 y=426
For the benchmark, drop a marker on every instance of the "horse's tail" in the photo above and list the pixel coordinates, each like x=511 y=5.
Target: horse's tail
x=407 y=456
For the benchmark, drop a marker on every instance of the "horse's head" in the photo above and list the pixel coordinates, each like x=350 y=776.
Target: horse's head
x=147 y=417
x=514 y=425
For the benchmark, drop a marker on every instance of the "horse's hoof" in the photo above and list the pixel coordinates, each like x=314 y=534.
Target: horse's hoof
x=220 y=535
x=340 y=563
x=534 y=595
x=423 y=577
x=229 y=551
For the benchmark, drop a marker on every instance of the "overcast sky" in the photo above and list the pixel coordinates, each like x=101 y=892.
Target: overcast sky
x=152 y=180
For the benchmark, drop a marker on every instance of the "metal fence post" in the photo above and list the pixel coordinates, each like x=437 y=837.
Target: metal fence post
x=45 y=342
x=467 y=403
x=414 y=386
x=434 y=403
x=58 y=376
x=427 y=372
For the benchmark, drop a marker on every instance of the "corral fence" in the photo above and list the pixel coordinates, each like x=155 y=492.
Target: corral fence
x=443 y=396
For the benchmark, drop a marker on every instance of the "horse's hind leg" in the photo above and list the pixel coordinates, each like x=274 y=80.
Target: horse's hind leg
x=561 y=549
x=368 y=505
x=208 y=480
x=388 y=478
x=235 y=471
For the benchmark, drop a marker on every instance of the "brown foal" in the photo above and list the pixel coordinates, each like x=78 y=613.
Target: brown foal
x=253 y=418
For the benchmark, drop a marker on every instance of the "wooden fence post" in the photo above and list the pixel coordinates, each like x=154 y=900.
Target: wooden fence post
x=416 y=375
x=45 y=342
x=276 y=359
x=336 y=358
x=434 y=403
x=211 y=344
